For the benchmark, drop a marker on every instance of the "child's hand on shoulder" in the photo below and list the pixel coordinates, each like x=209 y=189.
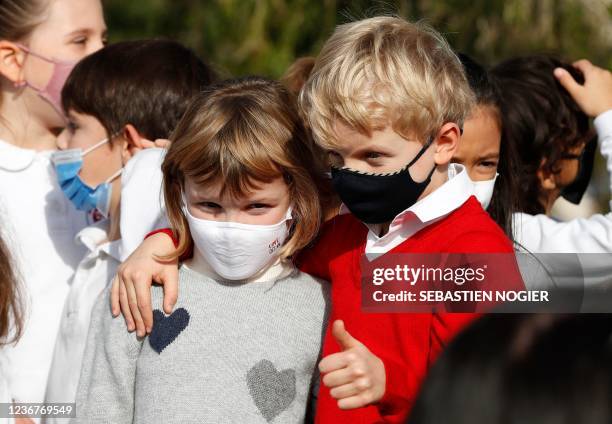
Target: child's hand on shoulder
x=594 y=96
x=131 y=288
x=355 y=376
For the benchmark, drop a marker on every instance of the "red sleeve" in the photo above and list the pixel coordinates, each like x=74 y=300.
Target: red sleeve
x=315 y=259
x=166 y=231
x=401 y=387
x=403 y=377
x=187 y=255
x=444 y=328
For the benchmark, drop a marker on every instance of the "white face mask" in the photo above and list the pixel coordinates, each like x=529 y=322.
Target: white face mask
x=237 y=251
x=483 y=190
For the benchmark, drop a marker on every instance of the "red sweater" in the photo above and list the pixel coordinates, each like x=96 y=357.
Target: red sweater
x=407 y=343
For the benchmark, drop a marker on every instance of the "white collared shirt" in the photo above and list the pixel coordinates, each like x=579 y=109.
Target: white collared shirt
x=543 y=234
x=91 y=278
x=38 y=224
x=433 y=207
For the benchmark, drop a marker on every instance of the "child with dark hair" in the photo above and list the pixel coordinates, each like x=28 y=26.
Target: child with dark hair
x=523 y=369
x=545 y=107
x=488 y=161
x=118 y=101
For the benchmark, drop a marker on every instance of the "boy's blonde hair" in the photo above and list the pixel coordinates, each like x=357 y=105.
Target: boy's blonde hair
x=382 y=72
x=243 y=133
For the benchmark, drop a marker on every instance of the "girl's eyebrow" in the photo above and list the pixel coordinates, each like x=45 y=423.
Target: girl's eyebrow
x=488 y=156
x=86 y=31
x=261 y=200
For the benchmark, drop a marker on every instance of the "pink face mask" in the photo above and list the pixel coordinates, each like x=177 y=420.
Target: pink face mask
x=52 y=93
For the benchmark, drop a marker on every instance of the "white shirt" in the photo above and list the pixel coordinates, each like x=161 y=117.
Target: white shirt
x=39 y=224
x=91 y=278
x=433 y=207
x=543 y=234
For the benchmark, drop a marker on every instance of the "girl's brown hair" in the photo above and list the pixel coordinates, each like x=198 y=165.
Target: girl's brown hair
x=244 y=132
x=11 y=318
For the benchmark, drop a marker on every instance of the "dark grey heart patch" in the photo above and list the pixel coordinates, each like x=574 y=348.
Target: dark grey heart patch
x=271 y=390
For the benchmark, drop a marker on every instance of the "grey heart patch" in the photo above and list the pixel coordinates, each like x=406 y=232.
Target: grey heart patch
x=272 y=390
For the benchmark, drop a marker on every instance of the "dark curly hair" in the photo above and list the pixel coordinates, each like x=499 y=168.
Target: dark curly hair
x=540 y=119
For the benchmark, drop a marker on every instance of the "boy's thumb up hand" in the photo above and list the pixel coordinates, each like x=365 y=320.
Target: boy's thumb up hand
x=343 y=337
x=355 y=375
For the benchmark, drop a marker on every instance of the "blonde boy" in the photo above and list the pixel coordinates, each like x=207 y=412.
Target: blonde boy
x=387 y=99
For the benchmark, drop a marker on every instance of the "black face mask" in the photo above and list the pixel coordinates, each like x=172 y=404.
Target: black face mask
x=378 y=198
x=573 y=193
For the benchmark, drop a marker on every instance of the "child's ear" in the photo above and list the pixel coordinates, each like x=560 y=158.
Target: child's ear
x=134 y=142
x=446 y=143
x=548 y=179
x=11 y=62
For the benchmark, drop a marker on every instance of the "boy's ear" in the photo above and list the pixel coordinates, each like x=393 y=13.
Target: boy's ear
x=446 y=143
x=134 y=142
x=11 y=62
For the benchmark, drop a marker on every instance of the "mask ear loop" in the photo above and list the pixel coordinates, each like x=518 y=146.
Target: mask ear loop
x=24 y=83
x=101 y=143
x=115 y=175
x=423 y=150
x=95 y=146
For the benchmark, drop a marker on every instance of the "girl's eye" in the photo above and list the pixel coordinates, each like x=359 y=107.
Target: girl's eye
x=258 y=206
x=209 y=205
x=488 y=164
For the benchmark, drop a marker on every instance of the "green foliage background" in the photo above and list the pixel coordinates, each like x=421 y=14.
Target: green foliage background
x=265 y=36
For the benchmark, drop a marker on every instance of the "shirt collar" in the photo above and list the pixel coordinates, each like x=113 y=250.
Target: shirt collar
x=95 y=240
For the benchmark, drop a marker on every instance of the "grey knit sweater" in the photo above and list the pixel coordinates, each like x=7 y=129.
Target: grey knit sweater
x=229 y=353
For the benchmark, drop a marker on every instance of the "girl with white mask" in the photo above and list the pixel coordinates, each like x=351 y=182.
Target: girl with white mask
x=486 y=159
x=242 y=344
x=40 y=41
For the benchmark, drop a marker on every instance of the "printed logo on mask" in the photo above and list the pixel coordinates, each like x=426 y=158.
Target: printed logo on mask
x=273 y=247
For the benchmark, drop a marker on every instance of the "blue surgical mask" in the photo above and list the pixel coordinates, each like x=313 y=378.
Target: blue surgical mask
x=68 y=164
